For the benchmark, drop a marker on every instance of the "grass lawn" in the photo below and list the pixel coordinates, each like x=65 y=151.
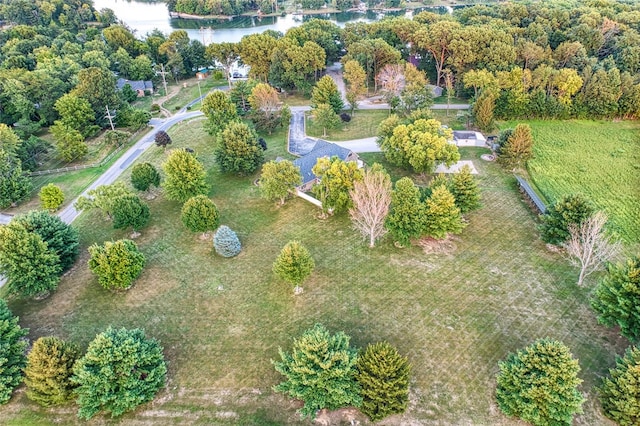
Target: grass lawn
x=191 y=92
x=600 y=159
x=454 y=314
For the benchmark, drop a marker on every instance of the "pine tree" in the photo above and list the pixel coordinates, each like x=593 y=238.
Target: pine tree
x=519 y=147
x=383 y=375
x=238 y=149
x=185 y=176
x=620 y=393
x=49 y=370
x=117 y=264
x=143 y=176
x=200 y=214
x=130 y=211
x=326 y=92
x=442 y=215
x=320 y=370
x=226 y=242
x=406 y=219
x=570 y=209
x=294 y=264
x=464 y=189
x=12 y=347
x=539 y=384
x=121 y=370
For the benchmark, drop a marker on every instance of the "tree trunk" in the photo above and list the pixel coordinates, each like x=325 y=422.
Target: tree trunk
x=581 y=277
x=372 y=240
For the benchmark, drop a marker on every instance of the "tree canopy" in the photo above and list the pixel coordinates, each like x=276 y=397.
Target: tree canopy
x=185 y=176
x=13 y=345
x=117 y=264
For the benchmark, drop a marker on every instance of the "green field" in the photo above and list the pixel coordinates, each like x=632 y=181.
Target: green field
x=600 y=159
x=454 y=313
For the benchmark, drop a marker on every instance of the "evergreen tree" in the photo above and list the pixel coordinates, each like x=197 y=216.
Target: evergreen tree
x=130 y=211
x=226 y=242
x=617 y=298
x=325 y=117
x=326 y=92
x=185 y=176
x=121 y=370
x=539 y=384
x=383 y=376
x=570 y=209
x=238 y=149
x=31 y=268
x=15 y=186
x=483 y=109
x=519 y=147
x=620 y=393
x=162 y=139
x=406 y=219
x=51 y=197
x=320 y=371
x=61 y=238
x=294 y=263
x=442 y=215
x=49 y=370
x=12 y=347
x=277 y=179
x=464 y=189
x=117 y=264
x=200 y=214
x=143 y=176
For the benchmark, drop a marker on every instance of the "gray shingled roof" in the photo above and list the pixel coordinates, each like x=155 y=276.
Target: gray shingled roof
x=135 y=84
x=321 y=149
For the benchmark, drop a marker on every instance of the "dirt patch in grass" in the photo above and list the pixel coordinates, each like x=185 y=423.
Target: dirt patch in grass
x=446 y=246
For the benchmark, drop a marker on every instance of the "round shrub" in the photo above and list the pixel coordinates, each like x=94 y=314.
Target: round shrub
x=226 y=242
x=345 y=117
x=155 y=108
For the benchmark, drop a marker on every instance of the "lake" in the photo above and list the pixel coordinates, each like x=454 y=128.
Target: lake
x=143 y=17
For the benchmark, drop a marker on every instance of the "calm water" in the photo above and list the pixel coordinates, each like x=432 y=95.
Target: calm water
x=144 y=17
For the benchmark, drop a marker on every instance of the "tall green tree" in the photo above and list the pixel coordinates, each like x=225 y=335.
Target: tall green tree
x=442 y=215
x=98 y=87
x=226 y=54
x=464 y=189
x=383 y=376
x=130 y=211
x=519 y=147
x=143 y=176
x=185 y=176
x=255 y=51
x=117 y=264
x=69 y=142
x=320 y=371
x=13 y=345
x=238 y=149
x=539 y=384
x=61 y=238
x=103 y=198
x=31 y=268
x=51 y=197
x=483 y=111
x=620 y=392
x=617 y=297
x=294 y=264
x=356 y=79
x=570 y=209
x=277 y=179
x=9 y=140
x=200 y=214
x=219 y=110
x=336 y=179
x=121 y=370
x=325 y=117
x=15 y=186
x=49 y=370
x=407 y=215
x=326 y=92
x=266 y=108
x=76 y=113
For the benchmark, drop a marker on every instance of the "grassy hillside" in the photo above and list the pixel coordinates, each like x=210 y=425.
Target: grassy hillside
x=455 y=313
x=600 y=159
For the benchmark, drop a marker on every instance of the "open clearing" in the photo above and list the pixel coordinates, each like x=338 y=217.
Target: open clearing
x=454 y=314
x=600 y=159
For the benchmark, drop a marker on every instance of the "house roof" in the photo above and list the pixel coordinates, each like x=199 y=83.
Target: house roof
x=135 y=84
x=320 y=149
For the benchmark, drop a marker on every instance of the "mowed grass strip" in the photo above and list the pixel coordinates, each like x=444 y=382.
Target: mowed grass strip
x=221 y=321
x=600 y=159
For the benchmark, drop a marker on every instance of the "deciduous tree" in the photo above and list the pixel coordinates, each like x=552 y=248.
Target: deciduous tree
x=121 y=370
x=200 y=214
x=356 y=79
x=371 y=198
x=116 y=264
x=539 y=384
x=144 y=175
x=277 y=179
x=49 y=370
x=383 y=376
x=226 y=242
x=266 y=108
x=336 y=179
x=320 y=371
x=51 y=197
x=185 y=176
x=162 y=139
x=70 y=143
x=219 y=110
x=588 y=247
x=325 y=117
x=620 y=392
x=76 y=113
x=103 y=198
x=13 y=359
x=407 y=216
x=9 y=140
x=294 y=264
x=130 y=211
x=326 y=92
x=617 y=298
x=15 y=186
x=226 y=54
x=238 y=149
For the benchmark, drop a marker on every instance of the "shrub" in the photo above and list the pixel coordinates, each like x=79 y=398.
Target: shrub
x=200 y=214
x=620 y=393
x=51 y=197
x=12 y=360
x=226 y=242
x=143 y=175
x=162 y=139
x=155 y=108
x=49 y=370
x=130 y=211
x=345 y=117
x=121 y=370
x=117 y=264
